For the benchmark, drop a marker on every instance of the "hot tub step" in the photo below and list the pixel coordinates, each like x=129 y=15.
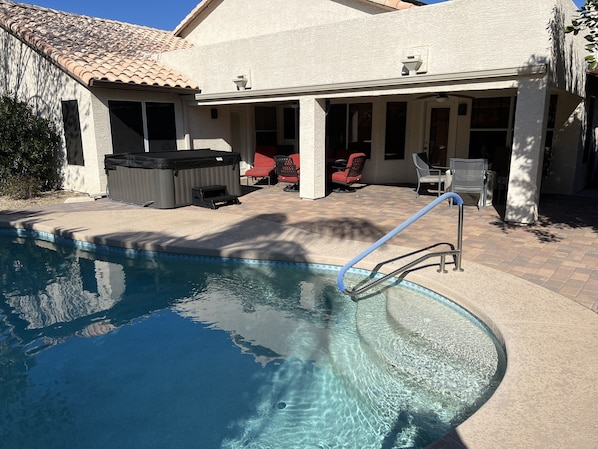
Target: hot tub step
x=213 y=196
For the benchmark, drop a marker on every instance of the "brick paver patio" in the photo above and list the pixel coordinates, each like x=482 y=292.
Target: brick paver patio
x=559 y=252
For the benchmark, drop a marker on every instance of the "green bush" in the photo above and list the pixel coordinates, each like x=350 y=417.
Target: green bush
x=30 y=153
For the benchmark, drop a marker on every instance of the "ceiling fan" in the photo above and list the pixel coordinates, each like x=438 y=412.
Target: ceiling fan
x=441 y=97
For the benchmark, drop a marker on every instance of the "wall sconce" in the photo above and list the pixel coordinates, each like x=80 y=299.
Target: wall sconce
x=412 y=63
x=241 y=82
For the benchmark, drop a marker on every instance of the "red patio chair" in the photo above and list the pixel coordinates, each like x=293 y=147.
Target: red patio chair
x=263 y=164
x=287 y=170
x=350 y=174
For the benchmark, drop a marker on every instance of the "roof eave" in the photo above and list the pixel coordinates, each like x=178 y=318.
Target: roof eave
x=105 y=84
x=195 y=12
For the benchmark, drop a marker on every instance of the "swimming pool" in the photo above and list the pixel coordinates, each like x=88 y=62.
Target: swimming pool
x=111 y=348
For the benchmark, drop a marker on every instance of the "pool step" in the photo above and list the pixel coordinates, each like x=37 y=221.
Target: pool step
x=406 y=407
x=421 y=344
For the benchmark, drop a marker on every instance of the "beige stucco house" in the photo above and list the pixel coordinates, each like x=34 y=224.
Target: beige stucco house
x=465 y=78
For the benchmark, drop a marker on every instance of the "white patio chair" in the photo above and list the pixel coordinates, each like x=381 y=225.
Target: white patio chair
x=469 y=176
x=427 y=174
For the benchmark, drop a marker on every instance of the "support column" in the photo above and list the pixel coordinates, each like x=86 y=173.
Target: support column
x=312 y=142
x=525 y=175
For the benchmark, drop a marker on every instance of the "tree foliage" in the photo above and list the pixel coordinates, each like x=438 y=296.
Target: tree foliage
x=587 y=22
x=30 y=153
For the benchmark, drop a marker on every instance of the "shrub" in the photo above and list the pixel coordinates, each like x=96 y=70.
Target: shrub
x=30 y=153
x=587 y=22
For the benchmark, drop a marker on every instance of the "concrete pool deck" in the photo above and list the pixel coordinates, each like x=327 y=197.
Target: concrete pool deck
x=513 y=280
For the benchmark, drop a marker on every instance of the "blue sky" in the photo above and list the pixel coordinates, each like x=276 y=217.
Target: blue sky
x=151 y=13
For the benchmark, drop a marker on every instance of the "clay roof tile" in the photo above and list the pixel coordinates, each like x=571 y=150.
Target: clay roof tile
x=90 y=48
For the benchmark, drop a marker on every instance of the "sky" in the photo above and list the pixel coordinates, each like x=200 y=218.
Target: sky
x=152 y=13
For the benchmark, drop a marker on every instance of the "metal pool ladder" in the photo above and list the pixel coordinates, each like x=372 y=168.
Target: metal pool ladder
x=455 y=252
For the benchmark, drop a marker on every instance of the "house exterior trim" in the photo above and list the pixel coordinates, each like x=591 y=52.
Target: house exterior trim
x=142 y=87
x=496 y=74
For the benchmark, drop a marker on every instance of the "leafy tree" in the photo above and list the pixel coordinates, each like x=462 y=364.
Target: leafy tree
x=30 y=153
x=587 y=22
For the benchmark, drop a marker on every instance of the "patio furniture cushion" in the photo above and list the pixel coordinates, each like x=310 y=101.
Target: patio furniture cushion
x=288 y=169
x=263 y=163
x=351 y=173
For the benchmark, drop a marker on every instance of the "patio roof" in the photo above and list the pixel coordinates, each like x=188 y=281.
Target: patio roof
x=97 y=52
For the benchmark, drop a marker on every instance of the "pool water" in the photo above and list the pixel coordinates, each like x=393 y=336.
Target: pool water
x=107 y=348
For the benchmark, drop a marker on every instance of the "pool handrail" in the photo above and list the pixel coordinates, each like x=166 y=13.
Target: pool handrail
x=456 y=253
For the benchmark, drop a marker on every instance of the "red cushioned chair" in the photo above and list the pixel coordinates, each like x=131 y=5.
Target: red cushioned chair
x=263 y=164
x=350 y=174
x=287 y=170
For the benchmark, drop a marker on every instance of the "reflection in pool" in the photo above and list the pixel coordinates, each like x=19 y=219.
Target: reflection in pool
x=100 y=349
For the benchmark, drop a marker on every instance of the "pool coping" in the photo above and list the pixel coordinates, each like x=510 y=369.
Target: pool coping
x=549 y=395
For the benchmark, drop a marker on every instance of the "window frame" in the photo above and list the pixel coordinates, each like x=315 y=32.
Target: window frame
x=145 y=142
x=265 y=125
x=71 y=122
x=490 y=129
x=394 y=149
x=352 y=120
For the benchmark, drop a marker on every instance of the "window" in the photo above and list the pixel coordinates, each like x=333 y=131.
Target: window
x=129 y=133
x=349 y=127
x=396 y=125
x=72 y=132
x=265 y=126
x=490 y=112
x=491 y=127
x=360 y=128
x=126 y=122
x=336 y=130
x=161 y=126
x=289 y=123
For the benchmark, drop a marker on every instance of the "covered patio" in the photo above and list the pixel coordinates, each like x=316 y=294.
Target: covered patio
x=514 y=118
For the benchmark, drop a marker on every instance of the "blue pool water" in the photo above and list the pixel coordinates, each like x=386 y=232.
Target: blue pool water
x=112 y=349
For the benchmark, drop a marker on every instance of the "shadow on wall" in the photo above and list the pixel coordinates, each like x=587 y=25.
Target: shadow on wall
x=566 y=68
x=30 y=78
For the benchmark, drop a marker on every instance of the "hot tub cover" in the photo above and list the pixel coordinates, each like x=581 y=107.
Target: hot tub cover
x=173 y=160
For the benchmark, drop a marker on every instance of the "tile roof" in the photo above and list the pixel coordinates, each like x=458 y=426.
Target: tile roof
x=97 y=51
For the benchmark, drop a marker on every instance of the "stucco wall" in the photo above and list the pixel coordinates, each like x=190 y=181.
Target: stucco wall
x=453 y=37
x=37 y=81
x=101 y=121
x=231 y=20
x=208 y=132
x=566 y=173
x=42 y=85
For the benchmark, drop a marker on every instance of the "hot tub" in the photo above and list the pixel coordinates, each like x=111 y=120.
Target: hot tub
x=165 y=180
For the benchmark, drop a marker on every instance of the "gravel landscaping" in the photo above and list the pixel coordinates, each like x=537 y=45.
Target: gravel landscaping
x=44 y=199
